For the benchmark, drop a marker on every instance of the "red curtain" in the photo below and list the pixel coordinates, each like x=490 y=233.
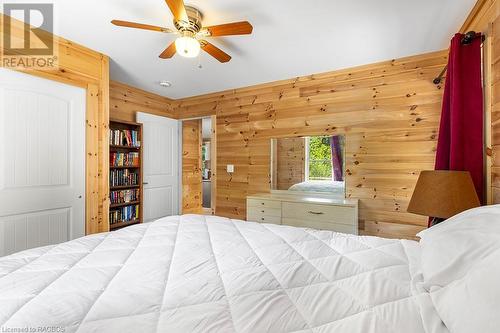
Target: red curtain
x=337 y=158
x=460 y=142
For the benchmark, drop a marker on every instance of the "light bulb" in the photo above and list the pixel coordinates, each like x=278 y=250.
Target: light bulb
x=187 y=46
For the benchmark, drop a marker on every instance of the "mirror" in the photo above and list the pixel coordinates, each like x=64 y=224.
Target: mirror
x=309 y=164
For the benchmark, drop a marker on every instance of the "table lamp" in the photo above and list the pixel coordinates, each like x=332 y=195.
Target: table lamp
x=442 y=194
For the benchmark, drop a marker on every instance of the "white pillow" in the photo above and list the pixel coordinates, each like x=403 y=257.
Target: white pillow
x=472 y=304
x=451 y=248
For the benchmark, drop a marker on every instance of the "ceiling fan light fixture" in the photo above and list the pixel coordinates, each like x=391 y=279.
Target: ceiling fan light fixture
x=188 y=22
x=187 y=46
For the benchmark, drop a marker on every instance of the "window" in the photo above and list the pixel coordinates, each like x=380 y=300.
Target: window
x=318 y=159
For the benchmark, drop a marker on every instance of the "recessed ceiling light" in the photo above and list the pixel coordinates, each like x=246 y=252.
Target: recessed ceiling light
x=165 y=84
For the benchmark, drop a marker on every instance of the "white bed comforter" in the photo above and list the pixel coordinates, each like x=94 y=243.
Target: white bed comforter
x=210 y=274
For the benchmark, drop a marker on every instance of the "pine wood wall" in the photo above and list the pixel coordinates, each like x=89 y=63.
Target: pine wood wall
x=388 y=111
x=191 y=167
x=495 y=113
x=126 y=101
x=290 y=162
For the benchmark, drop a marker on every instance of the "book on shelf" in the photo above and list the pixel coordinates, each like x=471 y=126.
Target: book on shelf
x=123 y=177
x=124 y=137
x=124 y=159
x=124 y=196
x=124 y=214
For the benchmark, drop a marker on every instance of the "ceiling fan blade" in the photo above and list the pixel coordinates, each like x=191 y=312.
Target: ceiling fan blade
x=169 y=52
x=177 y=8
x=228 y=29
x=140 y=26
x=214 y=51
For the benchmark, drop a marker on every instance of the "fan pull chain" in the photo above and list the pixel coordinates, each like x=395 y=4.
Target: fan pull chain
x=199 y=61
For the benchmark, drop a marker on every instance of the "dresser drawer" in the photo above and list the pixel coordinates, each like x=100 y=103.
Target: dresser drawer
x=320 y=213
x=254 y=211
x=264 y=203
x=264 y=219
x=321 y=225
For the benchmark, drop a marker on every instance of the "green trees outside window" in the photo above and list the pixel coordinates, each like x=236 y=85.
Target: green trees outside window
x=320 y=158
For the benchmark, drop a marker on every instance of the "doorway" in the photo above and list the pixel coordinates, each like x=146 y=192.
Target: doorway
x=199 y=165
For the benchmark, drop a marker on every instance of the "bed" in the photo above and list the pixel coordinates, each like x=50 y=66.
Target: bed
x=196 y=273
x=327 y=186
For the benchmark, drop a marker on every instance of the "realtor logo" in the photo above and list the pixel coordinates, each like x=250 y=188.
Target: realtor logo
x=28 y=40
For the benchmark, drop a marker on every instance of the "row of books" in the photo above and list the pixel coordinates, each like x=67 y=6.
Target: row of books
x=124 y=214
x=124 y=138
x=124 y=196
x=123 y=177
x=124 y=159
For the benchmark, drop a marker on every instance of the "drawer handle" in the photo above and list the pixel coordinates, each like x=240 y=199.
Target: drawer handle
x=262 y=219
x=262 y=203
x=262 y=211
x=315 y=213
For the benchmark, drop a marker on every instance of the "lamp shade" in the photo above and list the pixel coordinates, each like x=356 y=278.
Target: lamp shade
x=443 y=194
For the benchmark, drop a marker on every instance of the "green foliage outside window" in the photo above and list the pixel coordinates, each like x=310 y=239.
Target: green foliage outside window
x=320 y=158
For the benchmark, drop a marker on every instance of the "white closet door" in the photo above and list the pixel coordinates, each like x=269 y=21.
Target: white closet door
x=42 y=162
x=160 y=165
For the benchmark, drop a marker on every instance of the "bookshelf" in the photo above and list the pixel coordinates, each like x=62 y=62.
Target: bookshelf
x=125 y=174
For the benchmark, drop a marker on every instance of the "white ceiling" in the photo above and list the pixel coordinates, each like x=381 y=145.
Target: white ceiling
x=291 y=38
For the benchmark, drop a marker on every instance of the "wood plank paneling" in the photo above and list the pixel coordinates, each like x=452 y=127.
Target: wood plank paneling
x=126 y=101
x=389 y=113
x=495 y=111
x=481 y=16
x=192 y=199
x=290 y=162
x=92 y=179
x=103 y=148
x=83 y=67
x=213 y=164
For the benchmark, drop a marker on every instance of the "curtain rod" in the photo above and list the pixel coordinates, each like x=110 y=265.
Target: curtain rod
x=467 y=39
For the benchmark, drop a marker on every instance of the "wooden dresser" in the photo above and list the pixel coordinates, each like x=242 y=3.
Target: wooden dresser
x=304 y=210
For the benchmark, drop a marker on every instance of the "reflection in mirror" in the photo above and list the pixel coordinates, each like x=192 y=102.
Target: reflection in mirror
x=309 y=164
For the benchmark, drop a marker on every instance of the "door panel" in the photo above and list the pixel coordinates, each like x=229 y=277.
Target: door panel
x=35 y=229
x=160 y=201
x=37 y=128
x=192 y=199
x=161 y=166
x=42 y=161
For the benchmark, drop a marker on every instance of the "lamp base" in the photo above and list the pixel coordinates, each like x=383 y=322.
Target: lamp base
x=435 y=220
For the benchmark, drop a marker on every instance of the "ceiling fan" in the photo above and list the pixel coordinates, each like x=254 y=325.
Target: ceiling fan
x=187 y=22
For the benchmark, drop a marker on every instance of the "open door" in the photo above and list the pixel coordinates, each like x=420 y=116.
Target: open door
x=161 y=166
